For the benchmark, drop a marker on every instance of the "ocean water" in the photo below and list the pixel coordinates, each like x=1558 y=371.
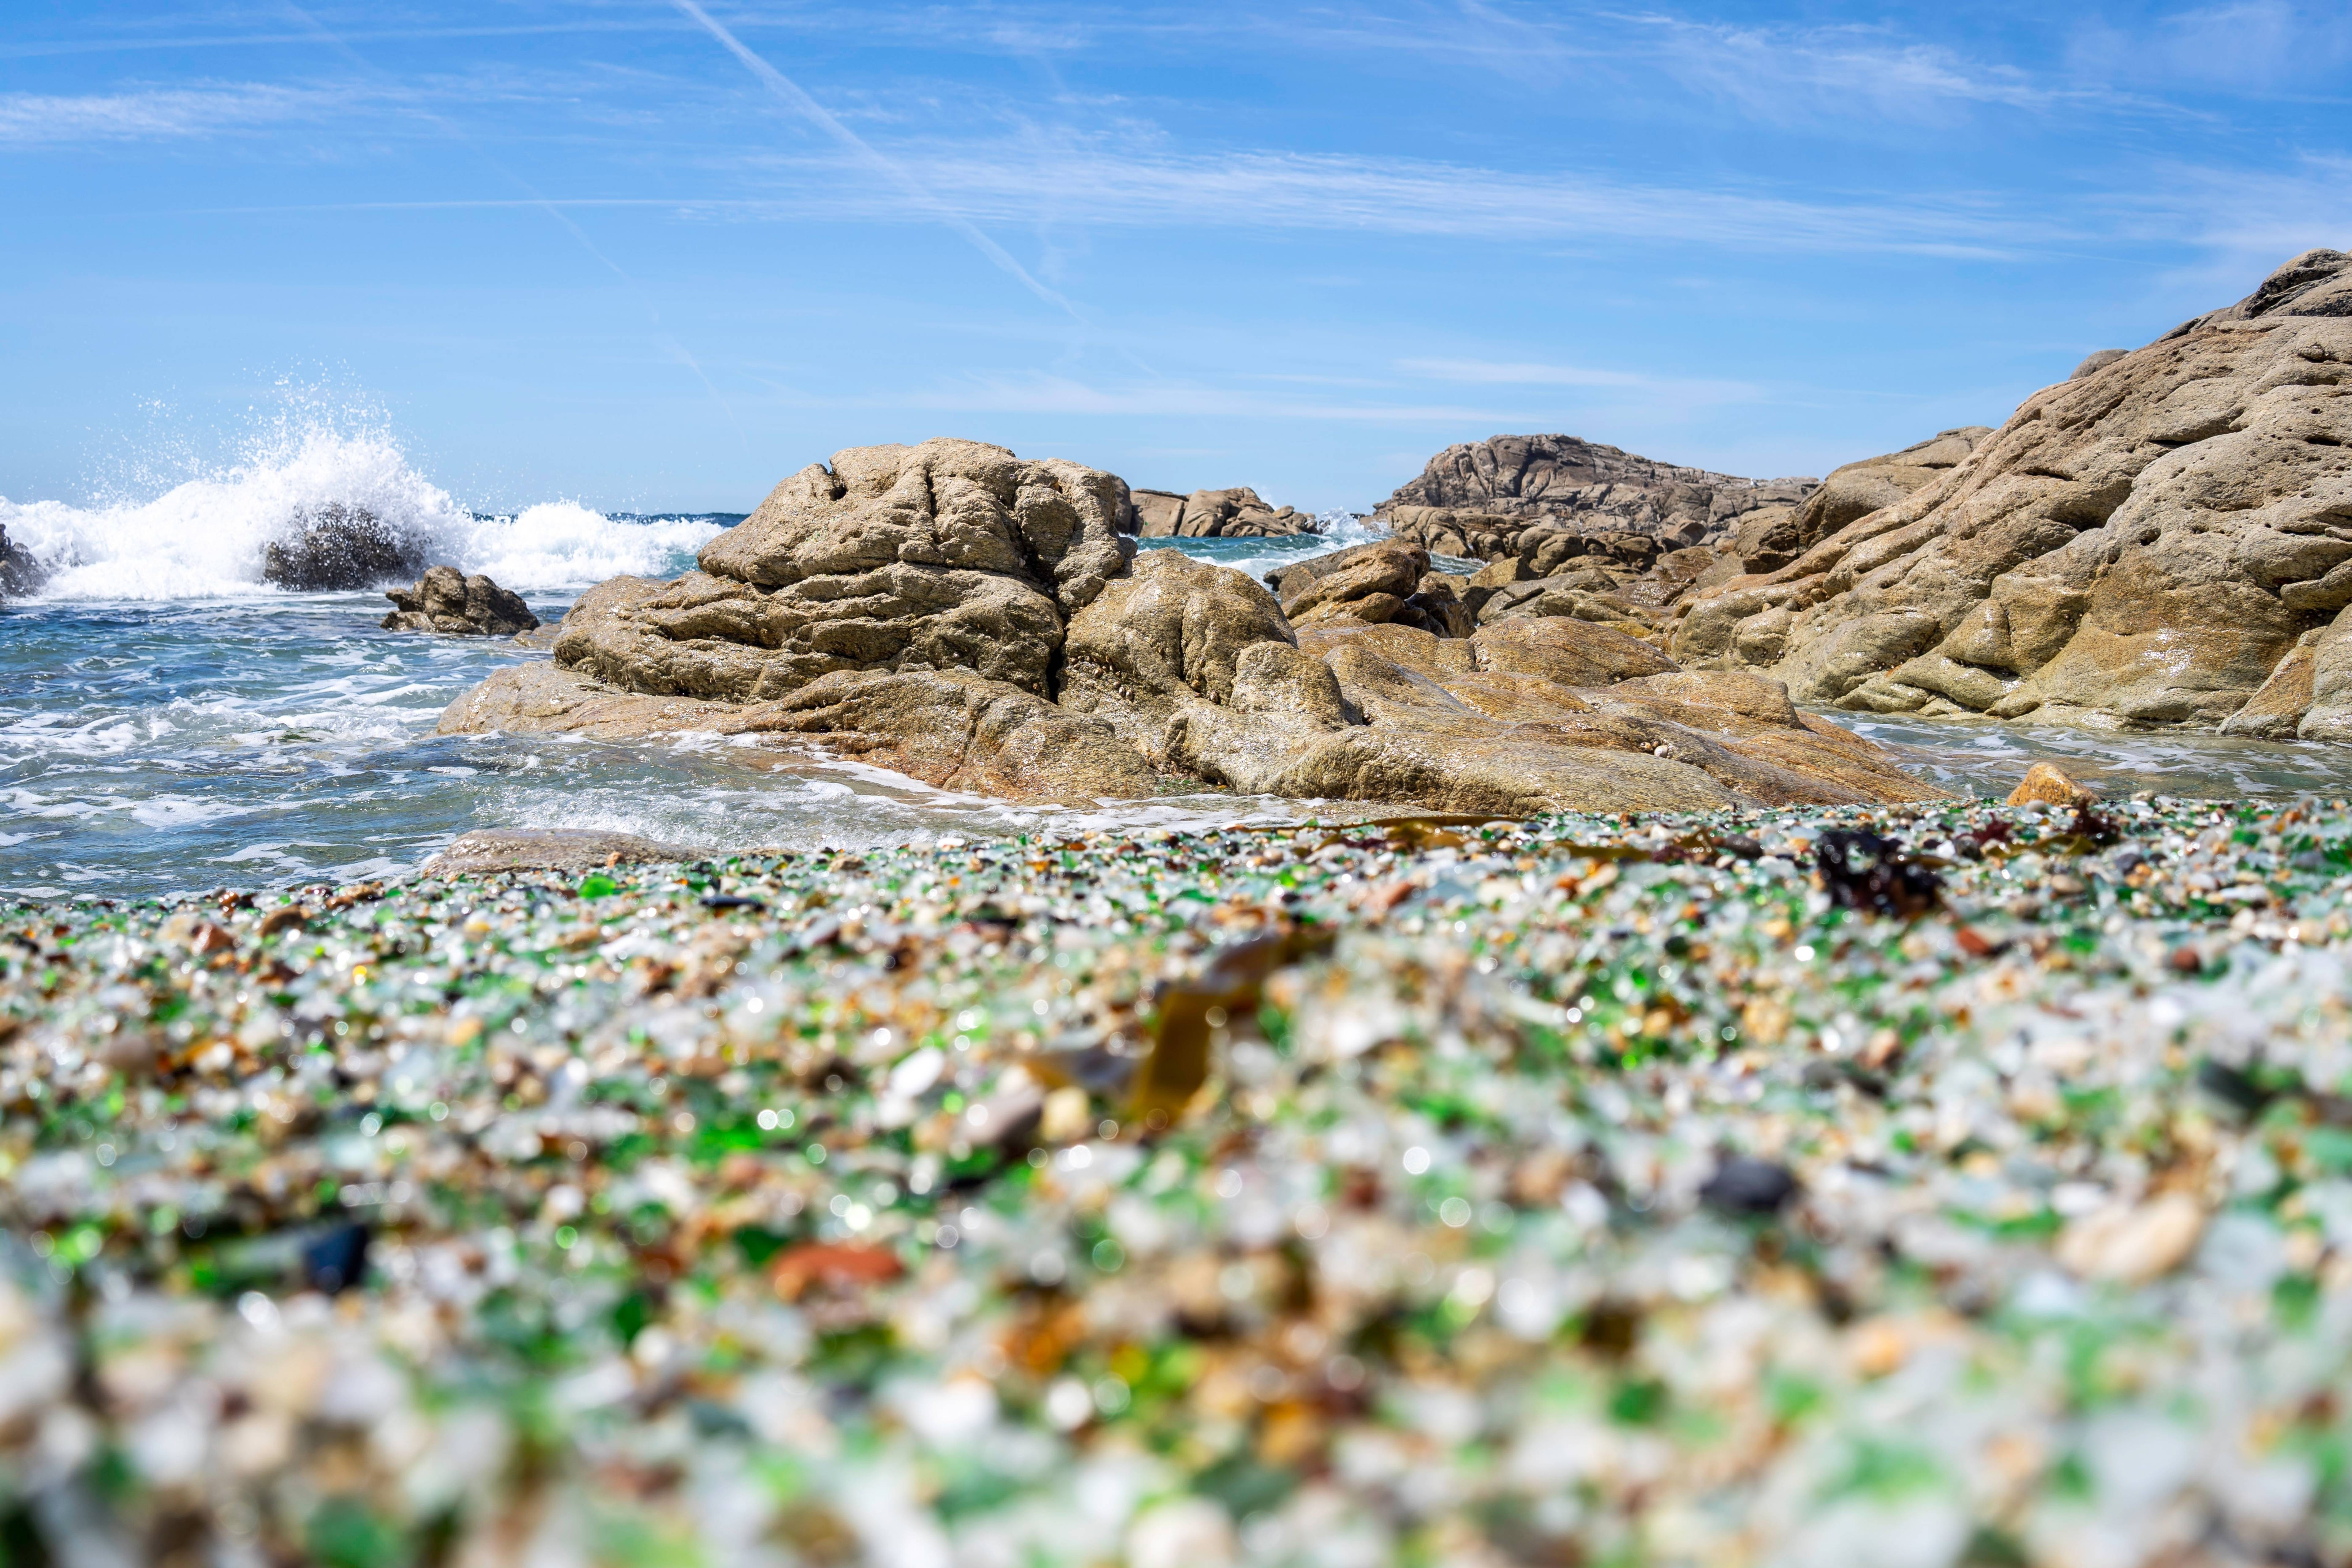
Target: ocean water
x=169 y=721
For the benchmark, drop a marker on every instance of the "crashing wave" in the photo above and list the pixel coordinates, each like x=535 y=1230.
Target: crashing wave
x=325 y=511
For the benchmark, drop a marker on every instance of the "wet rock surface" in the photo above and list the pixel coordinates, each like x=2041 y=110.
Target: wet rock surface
x=335 y=549
x=1071 y=675
x=21 y=573
x=452 y=604
x=1355 y=1192
x=2164 y=540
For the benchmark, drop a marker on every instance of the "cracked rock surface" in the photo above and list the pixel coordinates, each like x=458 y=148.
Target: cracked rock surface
x=2165 y=539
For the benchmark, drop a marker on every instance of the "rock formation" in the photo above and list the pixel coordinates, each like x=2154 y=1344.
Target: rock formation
x=445 y=600
x=21 y=572
x=1482 y=499
x=2165 y=539
x=954 y=613
x=949 y=555
x=1770 y=539
x=336 y=548
x=1235 y=513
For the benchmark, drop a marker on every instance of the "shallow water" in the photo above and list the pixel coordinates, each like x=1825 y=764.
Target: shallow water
x=1985 y=756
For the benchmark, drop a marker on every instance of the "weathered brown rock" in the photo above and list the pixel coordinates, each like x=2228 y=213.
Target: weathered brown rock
x=1506 y=720
x=949 y=729
x=1169 y=635
x=1772 y=538
x=949 y=555
x=1565 y=649
x=1580 y=594
x=1478 y=498
x=1235 y=513
x=1543 y=545
x=2046 y=785
x=447 y=601
x=2141 y=547
x=978 y=667
x=1370 y=586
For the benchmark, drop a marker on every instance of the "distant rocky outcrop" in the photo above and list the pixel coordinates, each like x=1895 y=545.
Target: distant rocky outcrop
x=976 y=621
x=1236 y=513
x=2165 y=539
x=21 y=572
x=448 y=601
x=1479 y=499
x=336 y=548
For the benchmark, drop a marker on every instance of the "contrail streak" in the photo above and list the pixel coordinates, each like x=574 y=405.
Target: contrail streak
x=784 y=87
x=667 y=338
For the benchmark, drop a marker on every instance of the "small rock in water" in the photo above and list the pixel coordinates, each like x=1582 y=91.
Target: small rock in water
x=2045 y=785
x=20 y=572
x=338 y=549
x=445 y=600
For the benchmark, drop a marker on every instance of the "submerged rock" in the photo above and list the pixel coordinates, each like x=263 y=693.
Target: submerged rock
x=547 y=849
x=953 y=613
x=336 y=548
x=445 y=600
x=1236 y=513
x=2164 y=540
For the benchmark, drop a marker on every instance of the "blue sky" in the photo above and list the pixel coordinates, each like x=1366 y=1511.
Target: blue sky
x=623 y=252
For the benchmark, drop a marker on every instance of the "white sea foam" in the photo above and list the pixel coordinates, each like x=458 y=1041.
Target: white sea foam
x=205 y=539
x=562 y=545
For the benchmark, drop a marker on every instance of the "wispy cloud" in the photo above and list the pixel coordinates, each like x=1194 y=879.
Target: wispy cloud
x=2240 y=45
x=158 y=114
x=1507 y=372
x=1047 y=393
x=1028 y=182
x=1330 y=192
x=2239 y=223
x=1785 y=74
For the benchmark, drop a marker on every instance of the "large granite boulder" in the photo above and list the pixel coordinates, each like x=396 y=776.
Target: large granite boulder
x=1389 y=580
x=949 y=555
x=448 y=601
x=1478 y=499
x=1235 y=513
x=2153 y=542
x=339 y=549
x=954 y=614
